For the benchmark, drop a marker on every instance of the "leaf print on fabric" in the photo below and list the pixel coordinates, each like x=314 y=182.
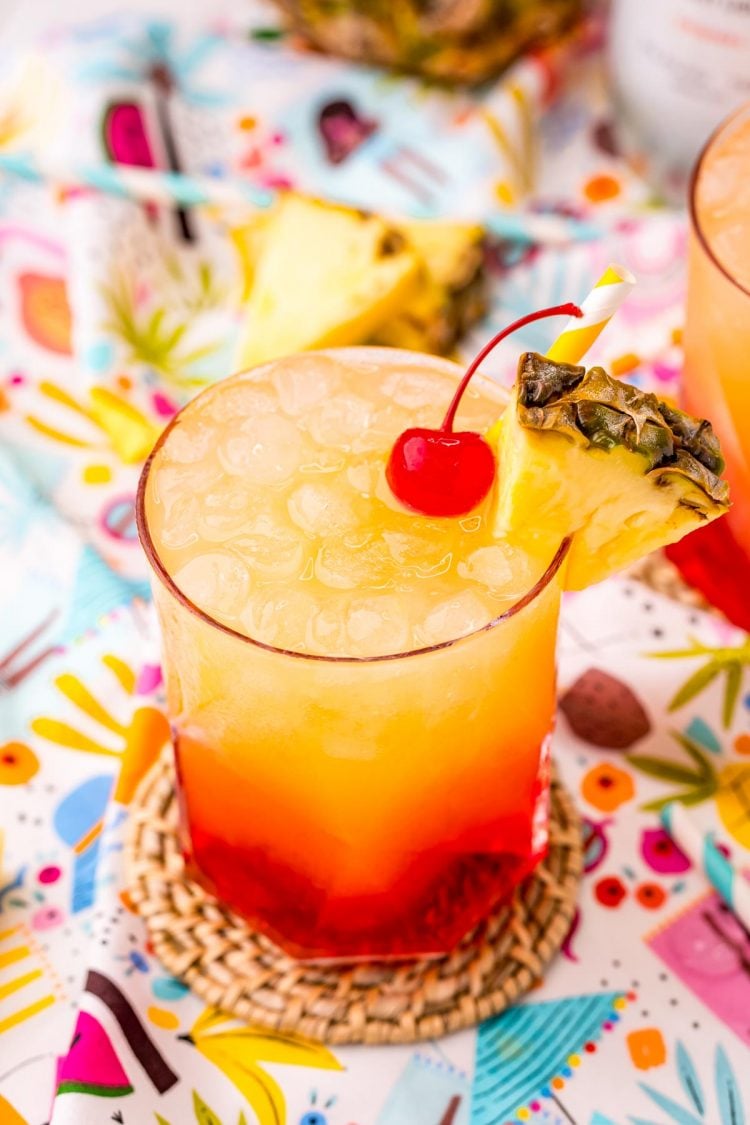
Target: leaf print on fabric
x=728 y=784
x=673 y=1109
x=727 y=1091
x=154 y=337
x=134 y=58
x=727 y=661
x=203 y=1115
x=240 y=1051
x=689 y=1079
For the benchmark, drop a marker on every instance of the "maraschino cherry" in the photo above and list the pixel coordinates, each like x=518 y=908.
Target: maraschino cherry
x=443 y=473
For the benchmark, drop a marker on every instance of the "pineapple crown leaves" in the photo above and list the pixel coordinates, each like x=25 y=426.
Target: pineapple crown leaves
x=727 y=661
x=593 y=408
x=700 y=779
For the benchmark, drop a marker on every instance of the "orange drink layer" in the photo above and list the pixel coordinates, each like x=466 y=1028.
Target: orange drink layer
x=361 y=697
x=717 y=334
x=717 y=347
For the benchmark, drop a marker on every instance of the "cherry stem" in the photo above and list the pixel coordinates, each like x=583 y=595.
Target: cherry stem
x=568 y=309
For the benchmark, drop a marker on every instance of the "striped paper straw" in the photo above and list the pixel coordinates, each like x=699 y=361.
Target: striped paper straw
x=149 y=185
x=144 y=184
x=726 y=879
x=598 y=309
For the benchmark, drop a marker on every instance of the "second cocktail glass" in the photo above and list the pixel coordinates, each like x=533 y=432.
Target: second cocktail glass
x=717 y=344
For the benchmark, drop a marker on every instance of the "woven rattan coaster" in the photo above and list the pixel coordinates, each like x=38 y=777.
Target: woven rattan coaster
x=663 y=576
x=231 y=967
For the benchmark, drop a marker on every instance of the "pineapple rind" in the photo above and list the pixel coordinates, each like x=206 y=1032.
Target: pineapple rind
x=583 y=454
x=450 y=295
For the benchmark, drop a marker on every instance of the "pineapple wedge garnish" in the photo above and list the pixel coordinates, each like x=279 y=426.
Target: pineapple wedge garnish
x=325 y=276
x=450 y=295
x=585 y=455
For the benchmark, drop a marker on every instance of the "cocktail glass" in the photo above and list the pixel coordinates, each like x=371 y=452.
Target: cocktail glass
x=717 y=357
x=356 y=807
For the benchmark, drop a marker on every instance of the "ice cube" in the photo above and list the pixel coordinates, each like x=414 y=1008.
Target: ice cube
x=363 y=477
x=385 y=424
x=266 y=449
x=339 y=420
x=377 y=626
x=455 y=617
x=227 y=509
x=217 y=582
x=346 y=567
x=271 y=548
x=424 y=555
x=279 y=617
x=188 y=442
x=169 y=482
x=325 y=634
x=180 y=522
x=321 y=508
x=318 y=462
x=241 y=399
x=304 y=381
x=491 y=566
x=414 y=388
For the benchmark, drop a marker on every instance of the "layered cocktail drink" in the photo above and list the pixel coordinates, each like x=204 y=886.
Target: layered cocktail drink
x=359 y=606
x=361 y=697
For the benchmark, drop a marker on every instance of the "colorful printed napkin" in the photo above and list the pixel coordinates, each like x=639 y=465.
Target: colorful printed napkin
x=112 y=313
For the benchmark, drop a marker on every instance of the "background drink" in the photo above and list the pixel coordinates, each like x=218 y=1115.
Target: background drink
x=350 y=796
x=717 y=346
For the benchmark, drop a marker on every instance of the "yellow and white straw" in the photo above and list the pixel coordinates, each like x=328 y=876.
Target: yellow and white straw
x=599 y=307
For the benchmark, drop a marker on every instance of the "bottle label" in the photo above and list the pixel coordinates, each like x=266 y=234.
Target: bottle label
x=678 y=67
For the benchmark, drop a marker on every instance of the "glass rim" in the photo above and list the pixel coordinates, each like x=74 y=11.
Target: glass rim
x=166 y=579
x=695 y=223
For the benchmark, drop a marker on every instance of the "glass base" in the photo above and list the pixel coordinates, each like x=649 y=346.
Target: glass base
x=712 y=561
x=417 y=918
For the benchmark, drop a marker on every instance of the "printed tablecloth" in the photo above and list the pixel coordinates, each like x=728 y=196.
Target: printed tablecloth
x=111 y=314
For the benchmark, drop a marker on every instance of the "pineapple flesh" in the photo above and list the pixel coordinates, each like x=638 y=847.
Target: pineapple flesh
x=582 y=454
x=325 y=276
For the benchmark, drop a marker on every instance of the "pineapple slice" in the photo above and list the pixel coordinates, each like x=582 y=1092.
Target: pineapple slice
x=450 y=295
x=582 y=454
x=325 y=276
x=248 y=242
